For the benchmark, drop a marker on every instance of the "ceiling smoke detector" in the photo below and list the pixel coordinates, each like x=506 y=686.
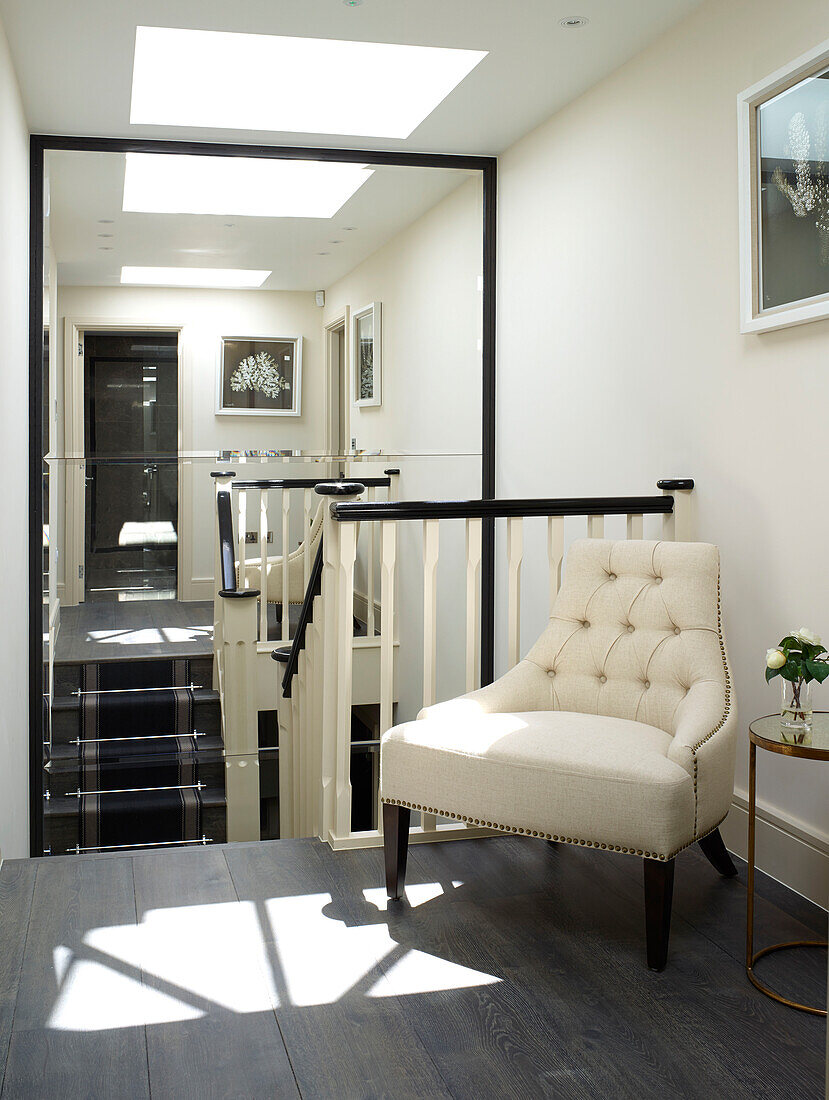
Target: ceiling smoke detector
x=573 y=21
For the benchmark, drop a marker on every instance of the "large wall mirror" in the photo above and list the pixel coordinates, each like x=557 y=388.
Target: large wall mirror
x=276 y=313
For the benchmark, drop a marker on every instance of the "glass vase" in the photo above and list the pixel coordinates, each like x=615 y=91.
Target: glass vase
x=796 y=711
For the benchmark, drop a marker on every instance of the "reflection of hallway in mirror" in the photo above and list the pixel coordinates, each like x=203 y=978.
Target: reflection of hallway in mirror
x=131 y=446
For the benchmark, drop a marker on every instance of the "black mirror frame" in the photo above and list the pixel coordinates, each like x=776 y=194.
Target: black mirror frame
x=40 y=144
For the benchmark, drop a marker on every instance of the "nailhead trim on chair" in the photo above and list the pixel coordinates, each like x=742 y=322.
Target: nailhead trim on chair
x=726 y=710
x=546 y=836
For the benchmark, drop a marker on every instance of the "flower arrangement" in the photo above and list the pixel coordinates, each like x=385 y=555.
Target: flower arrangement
x=798 y=659
x=259 y=372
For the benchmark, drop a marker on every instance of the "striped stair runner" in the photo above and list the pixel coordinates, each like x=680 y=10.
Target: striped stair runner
x=138 y=783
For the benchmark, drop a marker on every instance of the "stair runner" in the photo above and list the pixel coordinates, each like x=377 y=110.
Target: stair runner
x=138 y=784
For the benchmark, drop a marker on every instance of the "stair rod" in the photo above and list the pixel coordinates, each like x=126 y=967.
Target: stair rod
x=126 y=691
x=140 y=790
x=147 y=737
x=149 y=844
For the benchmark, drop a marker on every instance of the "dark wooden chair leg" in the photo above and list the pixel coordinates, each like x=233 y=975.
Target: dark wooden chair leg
x=717 y=854
x=395 y=847
x=659 y=890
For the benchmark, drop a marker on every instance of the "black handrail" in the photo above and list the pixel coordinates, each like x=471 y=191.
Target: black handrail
x=226 y=552
x=306 y=616
x=497 y=509
x=304 y=482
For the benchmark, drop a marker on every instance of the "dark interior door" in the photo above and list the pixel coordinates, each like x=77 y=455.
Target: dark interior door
x=131 y=446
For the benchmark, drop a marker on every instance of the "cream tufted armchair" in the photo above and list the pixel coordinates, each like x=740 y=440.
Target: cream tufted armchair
x=616 y=731
x=296 y=568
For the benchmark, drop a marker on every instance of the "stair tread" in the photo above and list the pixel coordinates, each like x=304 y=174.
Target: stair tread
x=59 y=806
x=72 y=702
x=68 y=752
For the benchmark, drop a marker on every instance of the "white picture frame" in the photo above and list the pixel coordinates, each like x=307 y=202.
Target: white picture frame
x=753 y=317
x=367 y=385
x=236 y=351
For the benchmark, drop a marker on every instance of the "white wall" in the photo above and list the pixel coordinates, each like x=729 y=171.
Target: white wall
x=14 y=443
x=620 y=359
x=206 y=316
x=427 y=280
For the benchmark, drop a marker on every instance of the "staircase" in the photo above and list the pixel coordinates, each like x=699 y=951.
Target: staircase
x=135 y=757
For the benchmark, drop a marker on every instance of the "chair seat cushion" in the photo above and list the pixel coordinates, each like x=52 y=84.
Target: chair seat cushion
x=583 y=778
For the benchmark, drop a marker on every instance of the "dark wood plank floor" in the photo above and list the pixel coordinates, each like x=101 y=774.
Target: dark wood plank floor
x=279 y=970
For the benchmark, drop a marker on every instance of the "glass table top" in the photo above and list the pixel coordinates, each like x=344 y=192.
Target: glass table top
x=815 y=743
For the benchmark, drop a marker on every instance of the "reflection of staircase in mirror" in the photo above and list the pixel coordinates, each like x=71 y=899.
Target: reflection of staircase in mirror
x=136 y=757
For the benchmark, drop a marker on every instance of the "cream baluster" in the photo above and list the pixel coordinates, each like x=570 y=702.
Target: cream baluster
x=431 y=546
x=388 y=569
x=515 y=556
x=595 y=527
x=308 y=507
x=635 y=526
x=286 y=549
x=240 y=536
x=555 y=554
x=372 y=551
x=473 y=600
x=345 y=656
x=263 y=564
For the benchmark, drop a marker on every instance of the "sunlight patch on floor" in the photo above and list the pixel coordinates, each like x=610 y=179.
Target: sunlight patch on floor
x=181 y=962
x=417 y=893
x=147 y=636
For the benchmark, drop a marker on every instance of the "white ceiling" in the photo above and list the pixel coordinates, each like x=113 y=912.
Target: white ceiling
x=74 y=58
x=85 y=188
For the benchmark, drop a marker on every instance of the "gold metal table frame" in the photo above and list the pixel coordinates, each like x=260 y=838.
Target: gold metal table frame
x=809 y=751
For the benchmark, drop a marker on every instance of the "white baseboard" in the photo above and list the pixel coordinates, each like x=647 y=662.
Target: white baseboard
x=784 y=849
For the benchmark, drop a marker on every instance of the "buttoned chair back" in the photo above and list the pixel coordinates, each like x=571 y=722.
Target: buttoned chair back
x=635 y=633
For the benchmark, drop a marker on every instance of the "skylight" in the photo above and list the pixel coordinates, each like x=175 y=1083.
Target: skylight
x=231 y=277
x=227 y=80
x=171 y=183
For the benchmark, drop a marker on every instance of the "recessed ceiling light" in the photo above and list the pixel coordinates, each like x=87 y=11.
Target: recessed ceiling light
x=103 y=235
x=170 y=183
x=193 y=276
x=104 y=248
x=323 y=253
x=335 y=242
x=324 y=86
x=349 y=228
x=573 y=21
x=105 y=221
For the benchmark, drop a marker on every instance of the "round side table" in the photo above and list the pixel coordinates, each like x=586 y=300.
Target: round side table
x=768 y=733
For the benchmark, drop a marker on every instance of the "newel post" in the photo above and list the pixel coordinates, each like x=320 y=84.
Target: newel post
x=240 y=718
x=679 y=525
x=339 y=555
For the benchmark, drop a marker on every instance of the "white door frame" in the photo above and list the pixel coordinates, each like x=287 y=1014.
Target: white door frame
x=332 y=383
x=74 y=549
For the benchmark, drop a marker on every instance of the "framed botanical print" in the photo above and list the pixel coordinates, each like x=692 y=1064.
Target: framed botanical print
x=784 y=195
x=366 y=354
x=260 y=376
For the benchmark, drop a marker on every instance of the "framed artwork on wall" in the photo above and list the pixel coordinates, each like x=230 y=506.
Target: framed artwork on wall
x=367 y=355
x=784 y=195
x=259 y=376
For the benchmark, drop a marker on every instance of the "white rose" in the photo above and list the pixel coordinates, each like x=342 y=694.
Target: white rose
x=775 y=658
x=806 y=635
